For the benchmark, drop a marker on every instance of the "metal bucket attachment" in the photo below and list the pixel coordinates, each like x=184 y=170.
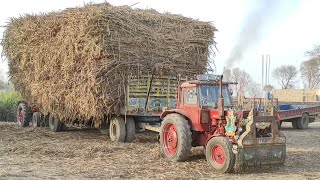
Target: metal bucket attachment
x=262 y=144
x=260 y=156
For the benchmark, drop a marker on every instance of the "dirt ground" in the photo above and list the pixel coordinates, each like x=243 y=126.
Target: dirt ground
x=37 y=153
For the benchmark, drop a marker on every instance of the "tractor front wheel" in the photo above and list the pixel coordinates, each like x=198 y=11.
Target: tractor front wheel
x=219 y=155
x=175 y=138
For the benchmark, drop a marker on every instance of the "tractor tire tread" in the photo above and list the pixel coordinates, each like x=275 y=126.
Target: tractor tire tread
x=229 y=166
x=27 y=114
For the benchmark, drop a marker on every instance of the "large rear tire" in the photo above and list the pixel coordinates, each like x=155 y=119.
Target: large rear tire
x=303 y=122
x=219 y=155
x=130 y=129
x=24 y=114
x=175 y=138
x=55 y=124
x=117 y=129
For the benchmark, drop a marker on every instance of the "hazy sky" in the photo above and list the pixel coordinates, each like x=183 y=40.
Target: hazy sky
x=284 y=31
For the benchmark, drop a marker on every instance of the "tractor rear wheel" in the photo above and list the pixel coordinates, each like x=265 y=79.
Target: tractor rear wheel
x=36 y=119
x=303 y=122
x=117 y=129
x=219 y=155
x=23 y=114
x=54 y=124
x=175 y=138
x=130 y=129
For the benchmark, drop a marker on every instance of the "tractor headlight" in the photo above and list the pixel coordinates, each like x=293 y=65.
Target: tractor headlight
x=280 y=139
x=247 y=141
x=205 y=116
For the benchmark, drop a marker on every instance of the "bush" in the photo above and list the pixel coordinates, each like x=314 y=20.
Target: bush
x=8 y=105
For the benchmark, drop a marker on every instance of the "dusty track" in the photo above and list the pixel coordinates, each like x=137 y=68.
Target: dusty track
x=85 y=154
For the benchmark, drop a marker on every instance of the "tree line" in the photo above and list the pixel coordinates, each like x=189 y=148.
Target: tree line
x=4 y=85
x=285 y=75
x=309 y=70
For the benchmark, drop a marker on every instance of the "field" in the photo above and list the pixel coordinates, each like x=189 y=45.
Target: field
x=29 y=153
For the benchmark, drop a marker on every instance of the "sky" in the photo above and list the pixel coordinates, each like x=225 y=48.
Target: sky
x=285 y=29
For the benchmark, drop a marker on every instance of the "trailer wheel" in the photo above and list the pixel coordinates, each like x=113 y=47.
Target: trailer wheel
x=45 y=121
x=279 y=123
x=130 y=129
x=54 y=124
x=36 y=119
x=303 y=122
x=219 y=155
x=117 y=129
x=294 y=123
x=23 y=114
x=175 y=138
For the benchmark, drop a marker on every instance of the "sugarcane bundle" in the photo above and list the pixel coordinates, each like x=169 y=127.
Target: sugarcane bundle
x=74 y=63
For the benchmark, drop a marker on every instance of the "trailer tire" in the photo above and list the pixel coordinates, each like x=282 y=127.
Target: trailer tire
x=219 y=155
x=294 y=123
x=36 y=119
x=175 y=138
x=45 y=122
x=24 y=114
x=117 y=129
x=54 y=124
x=130 y=129
x=279 y=123
x=303 y=122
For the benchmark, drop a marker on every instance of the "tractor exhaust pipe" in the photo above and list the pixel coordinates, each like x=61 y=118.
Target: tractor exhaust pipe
x=221 y=104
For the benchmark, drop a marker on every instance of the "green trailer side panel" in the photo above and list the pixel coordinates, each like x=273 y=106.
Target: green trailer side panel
x=162 y=95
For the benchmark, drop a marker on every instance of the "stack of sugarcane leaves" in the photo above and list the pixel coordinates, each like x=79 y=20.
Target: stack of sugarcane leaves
x=74 y=63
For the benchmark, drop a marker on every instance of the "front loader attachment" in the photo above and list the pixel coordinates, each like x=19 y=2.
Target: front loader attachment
x=261 y=144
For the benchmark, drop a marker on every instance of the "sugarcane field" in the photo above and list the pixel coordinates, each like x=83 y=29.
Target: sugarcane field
x=159 y=90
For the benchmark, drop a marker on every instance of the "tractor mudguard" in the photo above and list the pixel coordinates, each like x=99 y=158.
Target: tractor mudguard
x=179 y=111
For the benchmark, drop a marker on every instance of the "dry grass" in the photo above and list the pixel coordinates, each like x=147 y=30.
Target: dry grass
x=74 y=63
x=83 y=154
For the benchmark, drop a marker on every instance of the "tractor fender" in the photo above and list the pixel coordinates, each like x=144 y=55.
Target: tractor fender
x=179 y=111
x=21 y=101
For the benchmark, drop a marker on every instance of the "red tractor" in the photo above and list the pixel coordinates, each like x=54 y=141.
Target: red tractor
x=204 y=116
x=189 y=114
x=27 y=113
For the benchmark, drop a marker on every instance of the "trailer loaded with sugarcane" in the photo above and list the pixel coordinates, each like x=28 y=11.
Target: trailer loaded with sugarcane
x=130 y=69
